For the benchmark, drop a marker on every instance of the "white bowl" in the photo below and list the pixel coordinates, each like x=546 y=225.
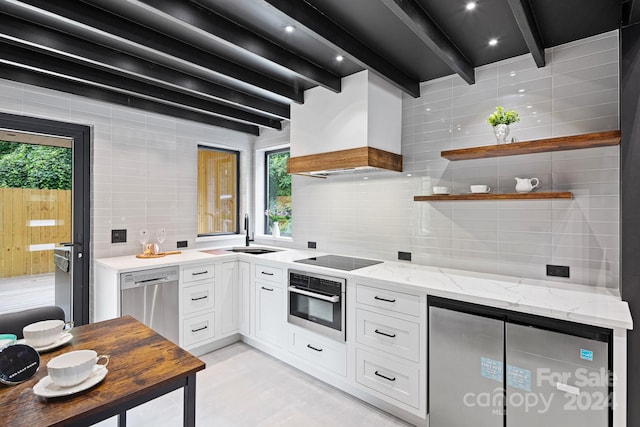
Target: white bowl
x=441 y=190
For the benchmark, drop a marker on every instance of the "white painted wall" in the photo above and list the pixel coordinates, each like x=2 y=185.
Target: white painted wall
x=577 y=92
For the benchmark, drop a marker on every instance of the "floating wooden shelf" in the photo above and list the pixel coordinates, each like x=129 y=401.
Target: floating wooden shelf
x=587 y=140
x=496 y=196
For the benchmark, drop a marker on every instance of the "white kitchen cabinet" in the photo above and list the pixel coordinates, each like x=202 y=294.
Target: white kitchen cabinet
x=244 y=286
x=389 y=334
x=318 y=350
x=198 y=303
x=230 y=296
x=400 y=381
x=391 y=346
x=270 y=305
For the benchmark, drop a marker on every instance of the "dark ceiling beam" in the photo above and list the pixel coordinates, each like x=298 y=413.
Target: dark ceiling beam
x=224 y=31
x=526 y=21
x=108 y=81
x=417 y=20
x=35 y=78
x=331 y=34
x=162 y=46
x=630 y=12
x=73 y=49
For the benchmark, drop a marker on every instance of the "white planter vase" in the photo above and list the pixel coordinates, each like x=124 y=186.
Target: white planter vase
x=275 y=229
x=501 y=132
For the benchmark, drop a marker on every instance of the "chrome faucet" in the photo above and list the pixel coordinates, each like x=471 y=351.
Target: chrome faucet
x=246 y=227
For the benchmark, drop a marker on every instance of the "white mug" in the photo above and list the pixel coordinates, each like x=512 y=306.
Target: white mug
x=72 y=368
x=45 y=332
x=480 y=189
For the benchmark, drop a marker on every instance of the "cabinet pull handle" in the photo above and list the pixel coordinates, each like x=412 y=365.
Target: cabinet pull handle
x=384 y=299
x=200 y=329
x=313 y=348
x=266 y=274
x=385 y=334
x=384 y=376
x=199 y=298
x=267 y=289
x=199 y=273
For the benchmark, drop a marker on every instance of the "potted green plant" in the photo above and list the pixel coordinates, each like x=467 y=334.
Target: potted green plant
x=500 y=120
x=278 y=214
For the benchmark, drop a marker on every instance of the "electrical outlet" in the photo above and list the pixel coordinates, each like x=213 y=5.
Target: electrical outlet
x=311 y=245
x=404 y=256
x=119 y=236
x=181 y=244
x=558 y=270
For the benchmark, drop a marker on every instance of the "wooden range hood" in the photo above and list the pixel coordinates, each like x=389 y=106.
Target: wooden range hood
x=356 y=130
x=360 y=159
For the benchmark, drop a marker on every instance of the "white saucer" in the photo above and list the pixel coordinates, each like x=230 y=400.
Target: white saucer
x=62 y=340
x=46 y=388
x=480 y=192
x=442 y=194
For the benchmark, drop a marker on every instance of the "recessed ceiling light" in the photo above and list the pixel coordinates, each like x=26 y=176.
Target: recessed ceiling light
x=289 y=29
x=471 y=5
x=493 y=42
x=339 y=58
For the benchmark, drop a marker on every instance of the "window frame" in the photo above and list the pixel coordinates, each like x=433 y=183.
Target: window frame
x=237 y=190
x=265 y=176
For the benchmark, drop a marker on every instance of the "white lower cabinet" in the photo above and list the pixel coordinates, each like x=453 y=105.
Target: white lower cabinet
x=391 y=346
x=389 y=377
x=318 y=350
x=198 y=298
x=230 y=297
x=244 y=286
x=198 y=329
x=389 y=334
x=270 y=313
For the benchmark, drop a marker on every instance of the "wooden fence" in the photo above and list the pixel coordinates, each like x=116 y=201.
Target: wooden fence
x=32 y=222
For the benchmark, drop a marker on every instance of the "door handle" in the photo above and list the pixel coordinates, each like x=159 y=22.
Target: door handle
x=332 y=299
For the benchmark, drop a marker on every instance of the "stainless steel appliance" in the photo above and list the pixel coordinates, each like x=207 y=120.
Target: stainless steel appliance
x=339 y=262
x=151 y=296
x=317 y=302
x=495 y=368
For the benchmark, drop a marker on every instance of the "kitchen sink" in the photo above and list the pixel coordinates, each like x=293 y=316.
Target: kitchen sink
x=253 y=250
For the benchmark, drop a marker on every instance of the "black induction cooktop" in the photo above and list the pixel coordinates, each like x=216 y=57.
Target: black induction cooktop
x=338 y=262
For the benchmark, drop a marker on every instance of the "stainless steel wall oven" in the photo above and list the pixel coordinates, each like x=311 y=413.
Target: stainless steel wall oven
x=317 y=302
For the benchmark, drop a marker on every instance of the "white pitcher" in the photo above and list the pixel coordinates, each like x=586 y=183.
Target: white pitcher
x=526 y=185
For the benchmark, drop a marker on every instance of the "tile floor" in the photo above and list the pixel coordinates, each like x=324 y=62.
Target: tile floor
x=243 y=387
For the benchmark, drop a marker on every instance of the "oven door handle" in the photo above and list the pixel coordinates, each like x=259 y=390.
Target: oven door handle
x=333 y=299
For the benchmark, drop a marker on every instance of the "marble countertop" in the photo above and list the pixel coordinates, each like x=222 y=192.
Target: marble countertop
x=571 y=302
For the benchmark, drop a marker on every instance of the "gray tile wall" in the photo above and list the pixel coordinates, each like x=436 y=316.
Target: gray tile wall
x=143 y=166
x=577 y=92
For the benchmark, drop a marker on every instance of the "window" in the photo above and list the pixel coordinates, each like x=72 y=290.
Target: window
x=217 y=191
x=277 y=191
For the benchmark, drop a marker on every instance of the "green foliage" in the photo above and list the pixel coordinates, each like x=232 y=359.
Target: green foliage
x=502 y=117
x=278 y=175
x=34 y=166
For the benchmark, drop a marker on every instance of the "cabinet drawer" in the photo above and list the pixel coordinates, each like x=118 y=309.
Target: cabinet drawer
x=388 y=300
x=197 y=273
x=197 y=329
x=395 y=336
x=198 y=298
x=272 y=274
x=319 y=350
x=391 y=378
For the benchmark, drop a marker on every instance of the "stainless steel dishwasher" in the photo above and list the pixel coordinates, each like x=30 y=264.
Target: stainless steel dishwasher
x=151 y=296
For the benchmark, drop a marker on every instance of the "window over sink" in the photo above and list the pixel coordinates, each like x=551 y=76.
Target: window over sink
x=277 y=192
x=218 y=183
